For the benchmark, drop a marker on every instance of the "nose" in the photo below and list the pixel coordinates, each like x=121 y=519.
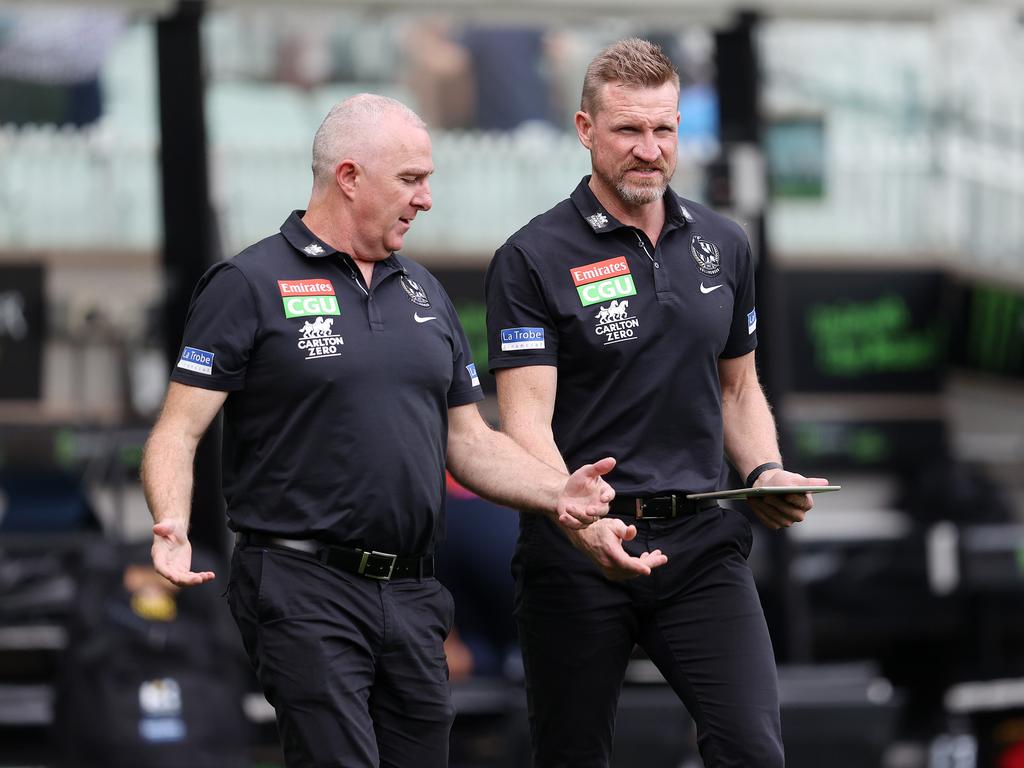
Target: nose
x=421 y=199
x=647 y=148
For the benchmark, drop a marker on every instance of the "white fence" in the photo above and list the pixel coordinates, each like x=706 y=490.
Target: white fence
x=945 y=195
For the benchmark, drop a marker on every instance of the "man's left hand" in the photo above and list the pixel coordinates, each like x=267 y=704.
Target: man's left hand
x=782 y=511
x=586 y=495
x=172 y=554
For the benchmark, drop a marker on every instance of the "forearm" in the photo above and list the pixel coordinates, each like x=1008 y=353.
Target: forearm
x=167 y=475
x=539 y=443
x=525 y=482
x=525 y=403
x=749 y=429
x=167 y=463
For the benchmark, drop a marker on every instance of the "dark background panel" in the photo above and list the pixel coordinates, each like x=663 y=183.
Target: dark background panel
x=22 y=317
x=890 y=445
x=989 y=335
x=868 y=330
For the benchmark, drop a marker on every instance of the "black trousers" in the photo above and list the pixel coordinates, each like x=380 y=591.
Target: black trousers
x=354 y=668
x=698 y=618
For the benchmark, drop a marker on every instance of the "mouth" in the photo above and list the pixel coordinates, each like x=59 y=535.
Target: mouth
x=646 y=171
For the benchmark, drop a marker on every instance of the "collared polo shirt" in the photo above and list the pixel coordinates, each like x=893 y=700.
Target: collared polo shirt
x=636 y=331
x=336 y=421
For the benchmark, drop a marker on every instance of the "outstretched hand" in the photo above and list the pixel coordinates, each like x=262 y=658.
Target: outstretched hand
x=585 y=496
x=602 y=543
x=782 y=511
x=172 y=555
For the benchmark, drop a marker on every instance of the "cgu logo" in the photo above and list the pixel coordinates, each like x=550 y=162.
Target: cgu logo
x=614 y=288
x=306 y=306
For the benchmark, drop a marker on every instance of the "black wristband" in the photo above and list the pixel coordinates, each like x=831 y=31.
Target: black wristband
x=758 y=471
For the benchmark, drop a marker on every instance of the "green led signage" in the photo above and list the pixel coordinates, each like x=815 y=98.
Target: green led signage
x=853 y=338
x=865 y=330
x=993 y=330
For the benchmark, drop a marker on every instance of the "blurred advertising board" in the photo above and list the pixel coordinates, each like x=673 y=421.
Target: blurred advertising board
x=990 y=335
x=866 y=330
x=865 y=355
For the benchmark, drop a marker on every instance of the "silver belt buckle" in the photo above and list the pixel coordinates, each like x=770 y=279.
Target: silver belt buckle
x=641 y=507
x=366 y=559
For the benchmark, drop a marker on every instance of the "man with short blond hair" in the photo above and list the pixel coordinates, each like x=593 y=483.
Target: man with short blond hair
x=622 y=321
x=632 y=63
x=347 y=387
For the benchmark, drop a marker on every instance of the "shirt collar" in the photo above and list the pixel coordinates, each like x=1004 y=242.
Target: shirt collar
x=601 y=221
x=302 y=239
x=590 y=208
x=298 y=234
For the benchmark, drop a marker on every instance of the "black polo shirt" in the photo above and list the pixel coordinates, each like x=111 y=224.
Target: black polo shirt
x=636 y=332
x=336 y=422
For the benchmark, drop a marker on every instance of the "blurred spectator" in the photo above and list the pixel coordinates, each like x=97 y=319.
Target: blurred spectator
x=489 y=77
x=510 y=76
x=438 y=73
x=50 y=60
x=153 y=675
x=303 y=56
x=474 y=563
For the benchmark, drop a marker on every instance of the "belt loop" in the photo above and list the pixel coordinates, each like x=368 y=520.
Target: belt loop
x=674 y=504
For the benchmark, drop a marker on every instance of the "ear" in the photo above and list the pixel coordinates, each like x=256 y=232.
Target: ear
x=584 y=128
x=347 y=175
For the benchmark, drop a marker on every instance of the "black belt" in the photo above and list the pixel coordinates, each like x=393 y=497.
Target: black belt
x=655 y=507
x=373 y=565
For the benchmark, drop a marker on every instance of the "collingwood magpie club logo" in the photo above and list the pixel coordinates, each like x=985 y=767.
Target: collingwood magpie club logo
x=597 y=220
x=705 y=253
x=615 y=324
x=314 y=249
x=415 y=292
x=317 y=338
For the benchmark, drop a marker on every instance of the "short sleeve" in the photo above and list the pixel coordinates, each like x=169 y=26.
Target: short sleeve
x=465 y=387
x=520 y=329
x=220 y=330
x=743 y=333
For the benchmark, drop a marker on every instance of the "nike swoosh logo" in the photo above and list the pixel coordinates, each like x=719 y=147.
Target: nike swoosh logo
x=418 y=319
x=710 y=288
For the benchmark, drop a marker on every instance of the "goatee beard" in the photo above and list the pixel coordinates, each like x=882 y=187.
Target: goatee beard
x=636 y=195
x=639 y=195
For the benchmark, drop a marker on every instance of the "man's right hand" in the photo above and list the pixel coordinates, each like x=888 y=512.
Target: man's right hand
x=602 y=543
x=172 y=555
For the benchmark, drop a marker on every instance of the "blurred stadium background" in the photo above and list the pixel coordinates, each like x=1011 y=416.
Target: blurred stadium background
x=874 y=152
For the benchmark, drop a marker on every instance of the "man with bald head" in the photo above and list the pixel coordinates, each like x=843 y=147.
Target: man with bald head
x=347 y=387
